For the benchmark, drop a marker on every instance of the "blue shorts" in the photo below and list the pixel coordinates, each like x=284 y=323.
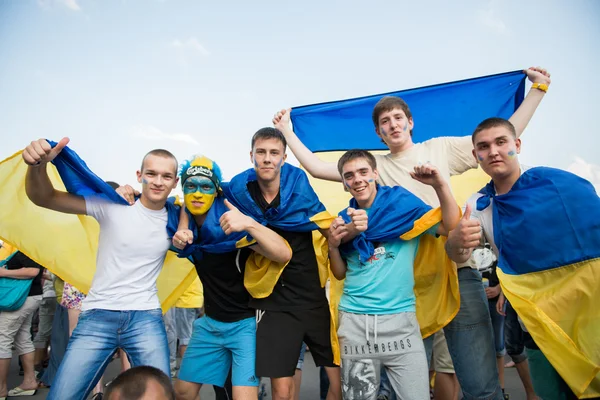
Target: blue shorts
x=215 y=346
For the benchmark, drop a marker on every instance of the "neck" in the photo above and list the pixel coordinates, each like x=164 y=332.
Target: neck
x=200 y=219
x=505 y=183
x=269 y=189
x=395 y=150
x=151 y=204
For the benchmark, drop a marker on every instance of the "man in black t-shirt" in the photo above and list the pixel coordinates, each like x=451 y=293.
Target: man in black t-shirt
x=225 y=338
x=296 y=310
x=15 y=326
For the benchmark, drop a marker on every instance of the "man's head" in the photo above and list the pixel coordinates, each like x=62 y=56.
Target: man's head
x=358 y=169
x=393 y=121
x=496 y=147
x=268 y=153
x=201 y=183
x=141 y=383
x=158 y=175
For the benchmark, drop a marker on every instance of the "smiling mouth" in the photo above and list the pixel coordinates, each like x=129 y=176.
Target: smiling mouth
x=360 y=189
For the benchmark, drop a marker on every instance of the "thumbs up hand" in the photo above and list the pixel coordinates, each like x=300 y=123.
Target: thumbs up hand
x=467 y=234
x=234 y=221
x=40 y=152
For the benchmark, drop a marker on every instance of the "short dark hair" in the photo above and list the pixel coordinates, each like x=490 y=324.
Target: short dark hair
x=160 y=153
x=388 y=103
x=269 y=133
x=131 y=384
x=494 y=122
x=353 y=155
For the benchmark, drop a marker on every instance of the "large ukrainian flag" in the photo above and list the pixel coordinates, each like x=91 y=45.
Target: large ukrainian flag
x=451 y=109
x=547 y=230
x=67 y=244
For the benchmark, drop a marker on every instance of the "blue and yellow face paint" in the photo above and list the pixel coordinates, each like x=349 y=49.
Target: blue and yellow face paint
x=200 y=179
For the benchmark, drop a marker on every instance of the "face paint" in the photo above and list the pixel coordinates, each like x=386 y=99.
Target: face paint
x=144 y=181
x=254 y=161
x=199 y=194
x=371 y=180
x=406 y=126
x=512 y=154
x=383 y=132
x=479 y=157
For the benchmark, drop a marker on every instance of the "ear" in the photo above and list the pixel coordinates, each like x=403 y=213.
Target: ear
x=251 y=157
x=139 y=176
x=475 y=155
x=344 y=186
x=284 y=158
x=411 y=124
x=518 y=144
x=376 y=173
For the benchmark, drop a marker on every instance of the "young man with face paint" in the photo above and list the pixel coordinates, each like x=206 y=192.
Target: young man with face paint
x=378 y=324
x=225 y=338
x=292 y=308
x=452 y=156
x=122 y=309
x=519 y=194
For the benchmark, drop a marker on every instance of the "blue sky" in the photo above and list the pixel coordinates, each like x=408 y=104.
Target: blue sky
x=123 y=77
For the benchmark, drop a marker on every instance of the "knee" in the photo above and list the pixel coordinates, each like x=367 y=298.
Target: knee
x=283 y=391
x=185 y=390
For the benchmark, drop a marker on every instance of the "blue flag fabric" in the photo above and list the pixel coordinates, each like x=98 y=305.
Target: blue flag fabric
x=298 y=201
x=212 y=238
x=557 y=211
x=449 y=109
x=394 y=212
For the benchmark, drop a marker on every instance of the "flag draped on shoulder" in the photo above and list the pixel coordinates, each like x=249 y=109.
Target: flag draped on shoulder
x=398 y=214
x=66 y=244
x=547 y=231
x=299 y=210
x=210 y=237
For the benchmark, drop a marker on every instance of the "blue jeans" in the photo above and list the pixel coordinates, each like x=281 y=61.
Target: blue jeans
x=515 y=338
x=498 y=327
x=58 y=343
x=98 y=335
x=470 y=339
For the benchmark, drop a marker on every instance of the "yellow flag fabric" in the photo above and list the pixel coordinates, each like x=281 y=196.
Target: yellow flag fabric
x=193 y=297
x=436 y=279
x=67 y=244
x=561 y=311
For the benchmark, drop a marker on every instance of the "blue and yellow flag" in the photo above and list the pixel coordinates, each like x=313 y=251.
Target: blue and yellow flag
x=449 y=109
x=66 y=244
x=547 y=231
x=396 y=213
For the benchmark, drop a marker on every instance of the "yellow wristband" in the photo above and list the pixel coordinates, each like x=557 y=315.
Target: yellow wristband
x=541 y=86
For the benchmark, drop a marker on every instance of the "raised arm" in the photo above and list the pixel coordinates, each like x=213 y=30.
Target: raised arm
x=521 y=117
x=337 y=231
x=38 y=187
x=316 y=167
x=269 y=243
x=464 y=238
x=22 y=273
x=429 y=175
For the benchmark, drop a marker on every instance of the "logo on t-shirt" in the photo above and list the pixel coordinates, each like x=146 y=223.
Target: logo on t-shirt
x=379 y=254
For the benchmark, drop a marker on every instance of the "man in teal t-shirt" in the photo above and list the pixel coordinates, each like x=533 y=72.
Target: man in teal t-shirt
x=377 y=323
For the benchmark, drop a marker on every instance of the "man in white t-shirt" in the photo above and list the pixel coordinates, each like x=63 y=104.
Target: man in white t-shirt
x=122 y=309
x=452 y=156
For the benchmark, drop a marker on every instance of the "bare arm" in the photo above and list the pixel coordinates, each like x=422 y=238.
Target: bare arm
x=22 y=273
x=429 y=175
x=337 y=231
x=315 y=166
x=38 y=187
x=269 y=243
x=523 y=115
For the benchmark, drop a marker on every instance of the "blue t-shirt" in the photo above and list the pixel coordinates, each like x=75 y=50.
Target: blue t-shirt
x=384 y=284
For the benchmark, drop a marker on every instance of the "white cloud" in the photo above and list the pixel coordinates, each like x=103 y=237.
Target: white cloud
x=588 y=171
x=489 y=18
x=150 y=132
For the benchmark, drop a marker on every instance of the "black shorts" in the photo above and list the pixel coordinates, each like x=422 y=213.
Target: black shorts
x=279 y=336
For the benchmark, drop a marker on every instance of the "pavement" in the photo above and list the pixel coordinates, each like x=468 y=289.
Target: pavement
x=309 y=390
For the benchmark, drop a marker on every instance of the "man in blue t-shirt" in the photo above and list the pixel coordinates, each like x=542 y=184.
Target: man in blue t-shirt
x=377 y=323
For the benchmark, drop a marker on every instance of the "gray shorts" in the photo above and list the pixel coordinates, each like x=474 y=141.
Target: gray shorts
x=15 y=328
x=368 y=342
